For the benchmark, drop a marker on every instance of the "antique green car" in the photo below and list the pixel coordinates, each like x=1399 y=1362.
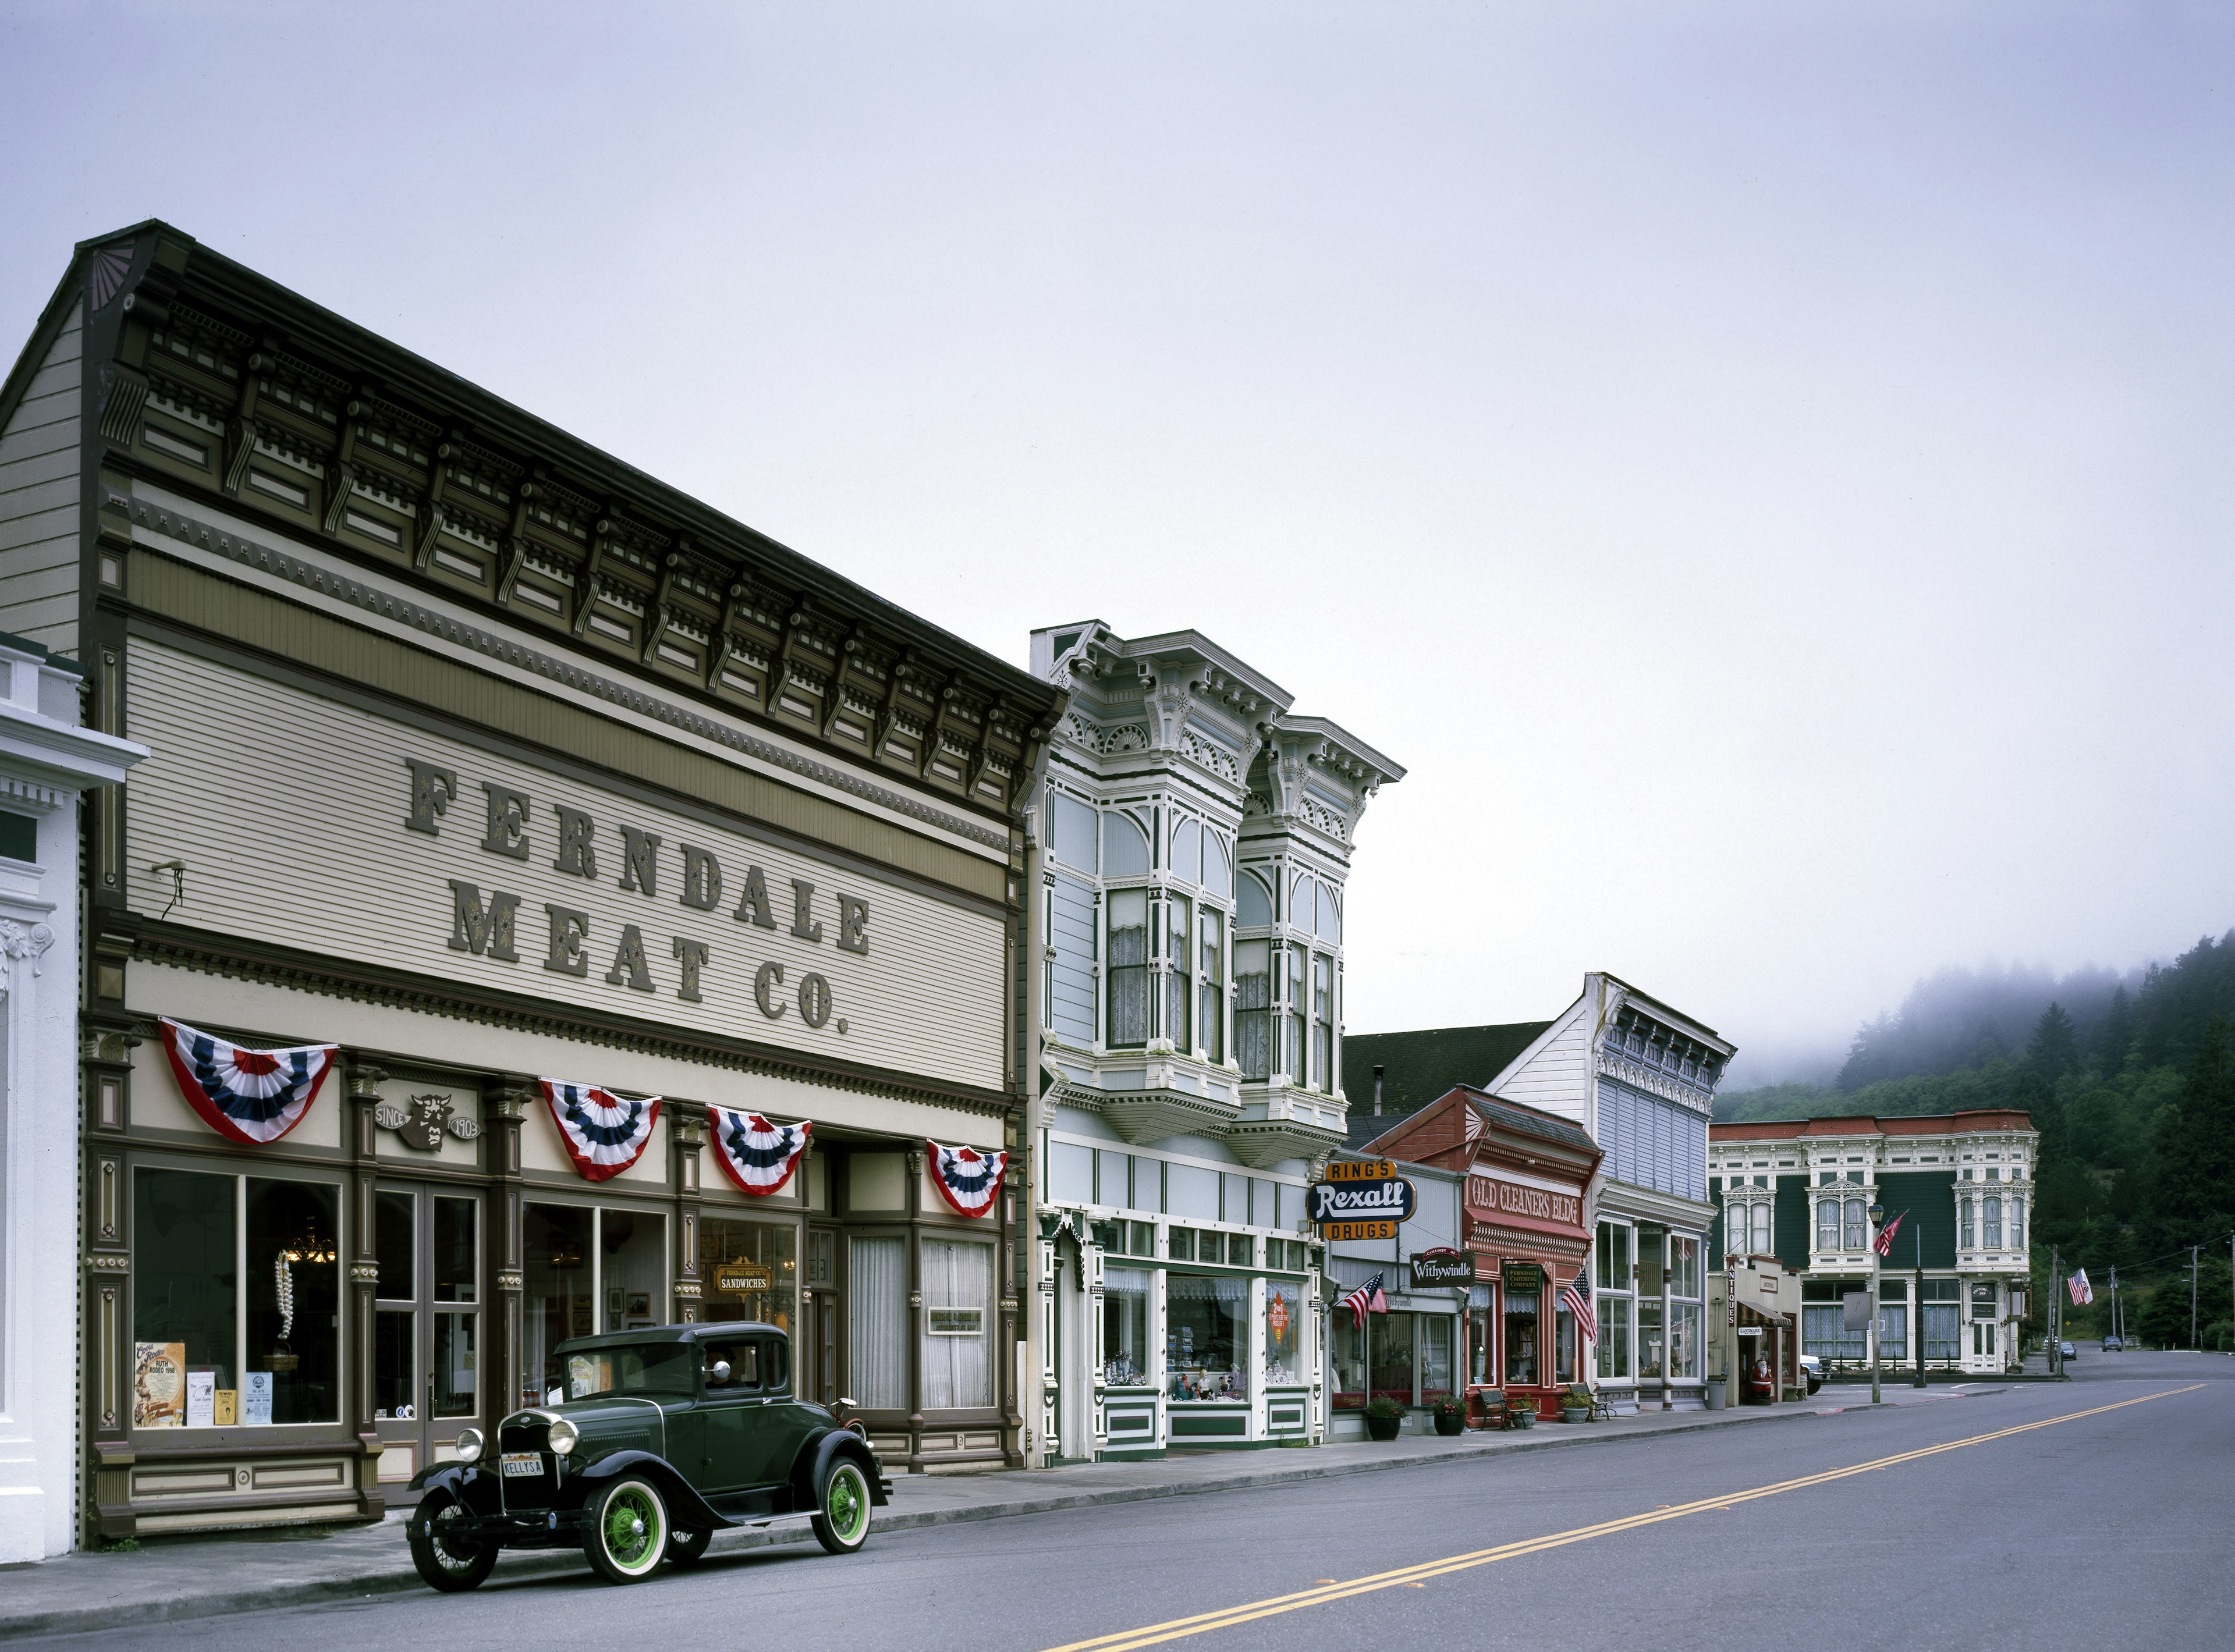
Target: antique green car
x=652 y=1442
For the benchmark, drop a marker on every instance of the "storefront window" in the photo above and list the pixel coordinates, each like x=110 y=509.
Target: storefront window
x=1893 y=1320
x=1564 y=1346
x=555 y=1239
x=1284 y=1322
x=1479 y=1334
x=1684 y=1268
x=876 y=1322
x=294 y=1297
x=1521 y=1350
x=1392 y=1356
x=185 y=1277
x=1684 y=1341
x=1942 y=1310
x=1205 y=1335
x=1435 y=1358
x=1124 y=1325
x=1613 y=1316
x=748 y=1270
x=957 y=1303
x=1348 y=1353
x=632 y=1269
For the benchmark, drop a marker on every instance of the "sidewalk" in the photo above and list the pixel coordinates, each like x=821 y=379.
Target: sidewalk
x=179 y=1577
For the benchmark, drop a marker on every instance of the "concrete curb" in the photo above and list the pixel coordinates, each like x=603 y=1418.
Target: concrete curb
x=395 y=1575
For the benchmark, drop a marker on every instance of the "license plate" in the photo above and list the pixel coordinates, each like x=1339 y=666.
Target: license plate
x=514 y=1465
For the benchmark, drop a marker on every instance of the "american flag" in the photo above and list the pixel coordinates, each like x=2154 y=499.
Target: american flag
x=1884 y=1241
x=2082 y=1291
x=1577 y=1302
x=1366 y=1299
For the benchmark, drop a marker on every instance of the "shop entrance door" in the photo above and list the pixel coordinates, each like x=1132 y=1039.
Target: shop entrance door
x=822 y=1315
x=426 y=1329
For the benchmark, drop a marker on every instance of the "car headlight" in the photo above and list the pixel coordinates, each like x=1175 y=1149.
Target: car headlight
x=470 y=1446
x=565 y=1436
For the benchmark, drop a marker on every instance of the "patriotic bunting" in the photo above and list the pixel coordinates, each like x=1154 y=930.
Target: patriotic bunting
x=604 y=1135
x=967 y=1179
x=253 y=1097
x=755 y=1155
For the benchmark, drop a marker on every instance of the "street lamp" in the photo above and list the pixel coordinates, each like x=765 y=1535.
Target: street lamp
x=1878 y=1221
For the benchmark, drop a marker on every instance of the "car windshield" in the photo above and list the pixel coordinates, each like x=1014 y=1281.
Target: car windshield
x=655 y=1368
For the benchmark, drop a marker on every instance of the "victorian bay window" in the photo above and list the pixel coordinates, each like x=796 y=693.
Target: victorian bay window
x=1128 y=953
x=1964 y=1226
x=1253 y=1008
x=1211 y=984
x=2017 y=1221
x=1761 y=1229
x=1735 y=1230
x=1179 y=921
x=1992 y=1212
x=1322 y=1022
x=1298 y=1065
x=1857 y=1229
x=1828 y=1224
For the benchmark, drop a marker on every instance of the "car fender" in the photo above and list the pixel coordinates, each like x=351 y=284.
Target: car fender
x=816 y=1458
x=685 y=1507
x=473 y=1485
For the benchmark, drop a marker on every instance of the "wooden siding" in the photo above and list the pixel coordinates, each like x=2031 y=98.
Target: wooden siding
x=226 y=609
x=288 y=811
x=39 y=460
x=1557 y=1078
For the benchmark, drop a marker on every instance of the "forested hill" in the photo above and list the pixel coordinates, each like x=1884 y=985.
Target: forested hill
x=2131 y=1082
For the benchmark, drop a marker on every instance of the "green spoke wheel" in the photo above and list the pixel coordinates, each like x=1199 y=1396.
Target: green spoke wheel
x=625 y=1532
x=443 y=1559
x=843 y=1524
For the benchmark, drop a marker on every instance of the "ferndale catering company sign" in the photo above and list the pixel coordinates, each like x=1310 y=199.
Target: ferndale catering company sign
x=1360 y=1199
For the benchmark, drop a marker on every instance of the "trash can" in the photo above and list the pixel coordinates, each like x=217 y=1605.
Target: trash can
x=1716 y=1393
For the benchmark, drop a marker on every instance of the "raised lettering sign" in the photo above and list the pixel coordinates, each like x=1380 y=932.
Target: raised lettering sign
x=1391 y=1200
x=1513 y=1199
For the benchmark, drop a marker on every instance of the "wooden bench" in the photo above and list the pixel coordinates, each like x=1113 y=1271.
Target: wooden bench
x=1488 y=1406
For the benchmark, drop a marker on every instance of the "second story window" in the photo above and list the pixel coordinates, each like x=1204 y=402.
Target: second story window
x=1253 y=1008
x=1129 y=968
x=1298 y=1067
x=1828 y=1224
x=1322 y=1022
x=1964 y=1230
x=1179 y=921
x=1210 y=980
x=1857 y=1238
x=1993 y=1214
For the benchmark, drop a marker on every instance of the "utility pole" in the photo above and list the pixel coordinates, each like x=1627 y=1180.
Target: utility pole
x=2055 y=1292
x=1878 y=1338
x=2192 y=1250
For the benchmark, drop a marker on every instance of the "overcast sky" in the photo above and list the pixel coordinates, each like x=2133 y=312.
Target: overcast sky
x=1765 y=471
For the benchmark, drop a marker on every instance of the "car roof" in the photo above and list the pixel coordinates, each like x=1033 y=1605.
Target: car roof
x=667 y=1335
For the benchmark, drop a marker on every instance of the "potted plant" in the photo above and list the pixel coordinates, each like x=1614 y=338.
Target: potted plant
x=1384 y=1416
x=1524 y=1414
x=1450 y=1415
x=1576 y=1404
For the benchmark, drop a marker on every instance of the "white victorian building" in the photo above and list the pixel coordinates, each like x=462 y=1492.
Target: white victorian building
x=46 y=761
x=1193 y=840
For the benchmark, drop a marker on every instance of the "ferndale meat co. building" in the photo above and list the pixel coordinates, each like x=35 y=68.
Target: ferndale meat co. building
x=549 y=908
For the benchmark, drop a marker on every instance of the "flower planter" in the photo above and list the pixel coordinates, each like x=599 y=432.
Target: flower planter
x=1574 y=1413
x=1526 y=1417
x=1451 y=1422
x=1383 y=1427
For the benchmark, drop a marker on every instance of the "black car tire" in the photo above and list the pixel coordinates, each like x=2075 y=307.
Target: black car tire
x=688 y=1548
x=625 y=1530
x=446 y=1563
x=841 y=1521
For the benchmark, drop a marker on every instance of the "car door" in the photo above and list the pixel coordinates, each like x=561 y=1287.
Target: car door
x=785 y=1423
x=728 y=1416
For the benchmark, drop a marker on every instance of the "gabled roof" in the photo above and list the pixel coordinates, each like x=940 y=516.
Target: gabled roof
x=1426 y=1067
x=1532 y=1121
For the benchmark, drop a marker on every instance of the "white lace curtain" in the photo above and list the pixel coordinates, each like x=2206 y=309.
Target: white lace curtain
x=876 y=1324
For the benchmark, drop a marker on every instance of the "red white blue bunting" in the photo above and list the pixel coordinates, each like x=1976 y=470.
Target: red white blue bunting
x=755 y=1155
x=967 y=1179
x=604 y=1135
x=252 y=1096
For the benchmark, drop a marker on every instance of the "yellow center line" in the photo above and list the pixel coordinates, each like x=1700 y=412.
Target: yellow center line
x=1230 y=1616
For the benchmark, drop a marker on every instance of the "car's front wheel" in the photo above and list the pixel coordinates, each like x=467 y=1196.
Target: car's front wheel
x=625 y=1530
x=841 y=1522
x=447 y=1562
x=688 y=1548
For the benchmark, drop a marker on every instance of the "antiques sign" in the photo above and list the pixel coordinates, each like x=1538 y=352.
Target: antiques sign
x=1512 y=1199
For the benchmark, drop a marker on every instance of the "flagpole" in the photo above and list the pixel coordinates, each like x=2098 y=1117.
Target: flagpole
x=1877 y=1220
x=1917 y=1306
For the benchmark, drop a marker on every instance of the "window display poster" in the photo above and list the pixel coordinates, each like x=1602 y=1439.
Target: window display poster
x=159 y=1384
x=256 y=1399
x=202 y=1396
x=228 y=1407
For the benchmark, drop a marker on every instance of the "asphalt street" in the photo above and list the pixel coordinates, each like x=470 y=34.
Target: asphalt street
x=2094 y=1511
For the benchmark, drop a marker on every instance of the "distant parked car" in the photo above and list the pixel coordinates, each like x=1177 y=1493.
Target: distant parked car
x=2113 y=1345
x=2068 y=1350
x=1811 y=1367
